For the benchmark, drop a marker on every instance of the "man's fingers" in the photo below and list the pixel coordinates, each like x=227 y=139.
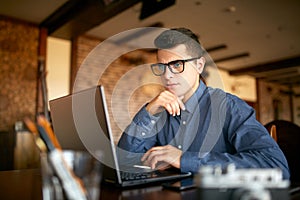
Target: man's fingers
x=167 y=100
x=163 y=166
x=146 y=155
x=175 y=108
x=155 y=158
x=159 y=154
x=168 y=107
x=181 y=104
x=176 y=104
x=151 y=156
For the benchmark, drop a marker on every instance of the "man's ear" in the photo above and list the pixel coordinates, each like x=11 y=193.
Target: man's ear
x=200 y=64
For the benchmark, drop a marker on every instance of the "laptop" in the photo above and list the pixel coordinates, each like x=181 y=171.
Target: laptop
x=92 y=132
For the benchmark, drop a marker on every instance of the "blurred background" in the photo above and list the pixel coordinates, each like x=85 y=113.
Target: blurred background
x=254 y=44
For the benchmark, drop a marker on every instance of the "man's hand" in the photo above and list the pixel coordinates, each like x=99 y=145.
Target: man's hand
x=162 y=157
x=168 y=101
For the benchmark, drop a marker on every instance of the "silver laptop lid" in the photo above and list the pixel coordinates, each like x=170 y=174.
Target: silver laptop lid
x=81 y=122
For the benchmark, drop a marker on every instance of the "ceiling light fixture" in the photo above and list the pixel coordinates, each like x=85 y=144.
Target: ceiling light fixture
x=231 y=9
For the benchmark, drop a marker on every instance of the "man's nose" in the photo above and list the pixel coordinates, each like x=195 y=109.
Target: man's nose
x=168 y=74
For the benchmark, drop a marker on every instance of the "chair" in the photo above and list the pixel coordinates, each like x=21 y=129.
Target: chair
x=272 y=131
x=7 y=145
x=287 y=135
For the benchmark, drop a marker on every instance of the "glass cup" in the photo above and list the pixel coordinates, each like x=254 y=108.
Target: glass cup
x=82 y=164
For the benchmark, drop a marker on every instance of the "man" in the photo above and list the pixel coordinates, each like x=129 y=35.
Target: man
x=189 y=125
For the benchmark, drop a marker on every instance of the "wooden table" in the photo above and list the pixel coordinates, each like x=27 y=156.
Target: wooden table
x=21 y=184
x=27 y=184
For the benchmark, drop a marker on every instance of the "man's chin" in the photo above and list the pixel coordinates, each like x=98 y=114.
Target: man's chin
x=171 y=90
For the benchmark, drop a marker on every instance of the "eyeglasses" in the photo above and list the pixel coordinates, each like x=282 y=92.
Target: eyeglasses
x=175 y=66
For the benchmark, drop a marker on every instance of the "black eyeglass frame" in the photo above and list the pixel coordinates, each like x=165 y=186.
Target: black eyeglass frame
x=170 y=68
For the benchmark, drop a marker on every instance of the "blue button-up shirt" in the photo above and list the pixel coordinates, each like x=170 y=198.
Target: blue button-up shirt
x=216 y=128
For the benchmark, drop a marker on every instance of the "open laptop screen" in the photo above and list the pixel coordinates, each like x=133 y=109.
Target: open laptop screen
x=80 y=122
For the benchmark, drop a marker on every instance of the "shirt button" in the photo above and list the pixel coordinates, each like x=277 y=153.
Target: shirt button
x=179 y=146
x=143 y=133
x=152 y=121
x=184 y=122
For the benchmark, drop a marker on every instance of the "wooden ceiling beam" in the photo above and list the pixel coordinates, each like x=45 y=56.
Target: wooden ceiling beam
x=216 y=48
x=267 y=66
x=276 y=76
x=78 y=16
x=295 y=80
x=232 y=57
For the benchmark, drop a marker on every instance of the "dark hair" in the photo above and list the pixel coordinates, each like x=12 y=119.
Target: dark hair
x=176 y=36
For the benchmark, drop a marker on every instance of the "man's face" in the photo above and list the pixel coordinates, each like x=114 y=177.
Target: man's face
x=183 y=84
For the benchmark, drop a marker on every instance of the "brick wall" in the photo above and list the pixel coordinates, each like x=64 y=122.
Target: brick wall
x=128 y=80
x=18 y=70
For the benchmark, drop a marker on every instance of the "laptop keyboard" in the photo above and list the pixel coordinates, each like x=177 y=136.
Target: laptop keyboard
x=136 y=176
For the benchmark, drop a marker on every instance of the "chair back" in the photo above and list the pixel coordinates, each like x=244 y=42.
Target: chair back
x=287 y=135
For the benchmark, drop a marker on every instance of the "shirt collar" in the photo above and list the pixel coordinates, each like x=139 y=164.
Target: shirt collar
x=194 y=99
